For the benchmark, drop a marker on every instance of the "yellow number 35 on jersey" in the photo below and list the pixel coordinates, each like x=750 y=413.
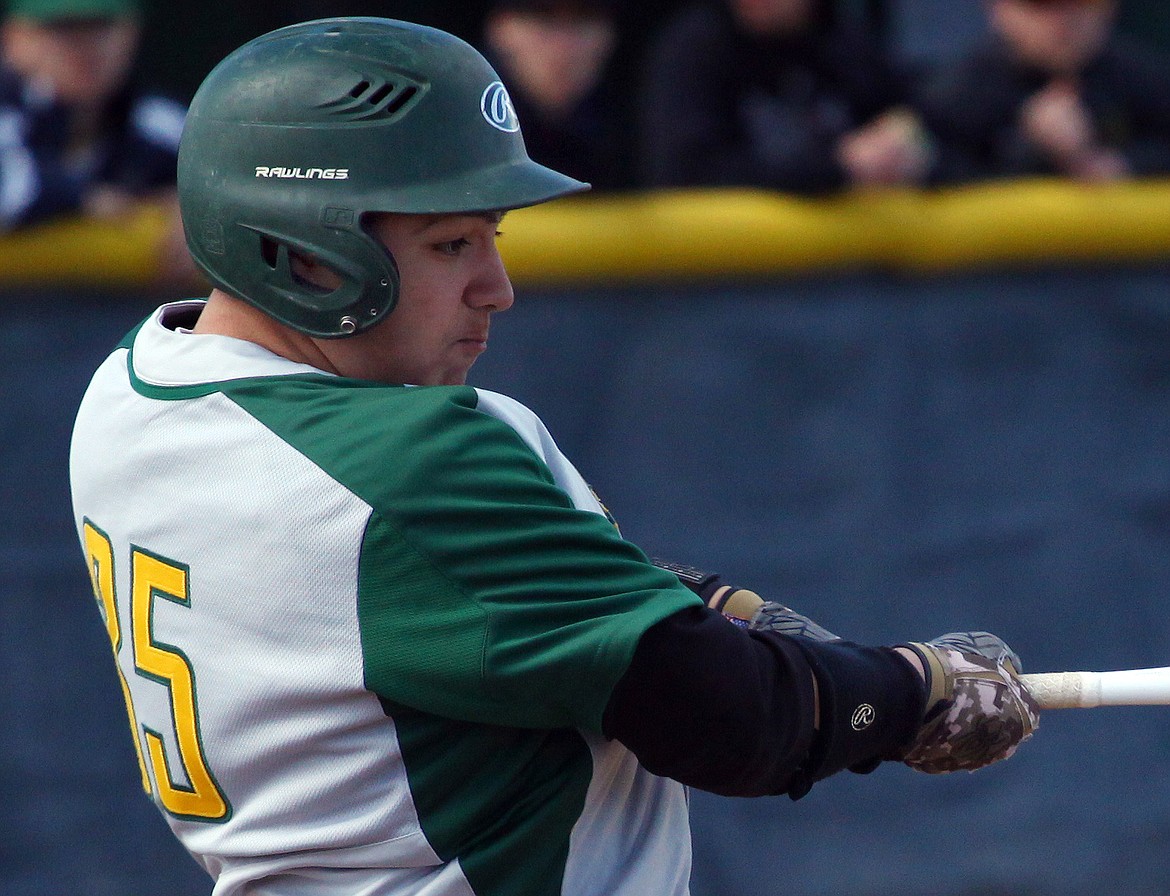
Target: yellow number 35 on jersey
x=152 y=577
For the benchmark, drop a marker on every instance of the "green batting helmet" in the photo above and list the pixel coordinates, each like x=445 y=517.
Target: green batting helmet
x=297 y=136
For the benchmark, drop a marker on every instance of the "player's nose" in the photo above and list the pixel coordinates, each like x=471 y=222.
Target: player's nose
x=492 y=287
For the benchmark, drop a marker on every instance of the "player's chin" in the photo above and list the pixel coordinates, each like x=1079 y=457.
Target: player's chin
x=451 y=366
x=453 y=375
x=466 y=353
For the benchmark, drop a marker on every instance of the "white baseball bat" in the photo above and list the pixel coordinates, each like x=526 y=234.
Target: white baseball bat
x=1124 y=687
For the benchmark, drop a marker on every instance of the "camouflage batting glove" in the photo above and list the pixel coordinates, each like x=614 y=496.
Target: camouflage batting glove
x=977 y=712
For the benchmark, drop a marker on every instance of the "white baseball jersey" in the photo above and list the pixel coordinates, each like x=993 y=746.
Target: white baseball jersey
x=366 y=633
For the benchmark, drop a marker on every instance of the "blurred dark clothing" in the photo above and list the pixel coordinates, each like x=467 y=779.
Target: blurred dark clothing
x=42 y=175
x=720 y=107
x=1147 y=21
x=973 y=110
x=592 y=142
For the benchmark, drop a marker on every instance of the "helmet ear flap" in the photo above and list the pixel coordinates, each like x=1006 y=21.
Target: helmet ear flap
x=354 y=304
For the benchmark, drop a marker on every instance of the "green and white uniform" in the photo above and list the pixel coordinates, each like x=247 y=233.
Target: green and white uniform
x=367 y=633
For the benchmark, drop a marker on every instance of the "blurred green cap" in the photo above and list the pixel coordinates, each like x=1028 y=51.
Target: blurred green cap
x=58 y=10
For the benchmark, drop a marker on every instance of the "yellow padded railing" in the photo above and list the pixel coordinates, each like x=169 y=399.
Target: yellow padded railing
x=697 y=234
x=79 y=252
x=715 y=234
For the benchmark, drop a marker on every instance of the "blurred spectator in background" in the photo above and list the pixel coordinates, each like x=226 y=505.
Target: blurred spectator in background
x=75 y=136
x=783 y=94
x=557 y=58
x=1053 y=90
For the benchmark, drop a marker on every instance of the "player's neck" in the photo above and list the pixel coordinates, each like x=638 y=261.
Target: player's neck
x=225 y=315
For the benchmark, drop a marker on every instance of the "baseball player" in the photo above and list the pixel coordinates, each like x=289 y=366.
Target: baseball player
x=375 y=633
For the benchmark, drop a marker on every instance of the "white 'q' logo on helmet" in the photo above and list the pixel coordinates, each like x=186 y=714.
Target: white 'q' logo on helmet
x=497 y=108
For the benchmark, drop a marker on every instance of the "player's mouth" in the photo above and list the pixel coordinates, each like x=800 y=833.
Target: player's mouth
x=476 y=343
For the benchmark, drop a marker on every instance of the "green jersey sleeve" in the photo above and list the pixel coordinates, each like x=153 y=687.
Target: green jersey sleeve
x=489 y=590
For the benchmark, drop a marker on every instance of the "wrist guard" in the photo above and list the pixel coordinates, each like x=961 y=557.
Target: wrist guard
x=871 y=703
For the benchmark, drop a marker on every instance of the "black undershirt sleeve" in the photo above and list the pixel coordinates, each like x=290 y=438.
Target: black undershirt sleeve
x=730 y=711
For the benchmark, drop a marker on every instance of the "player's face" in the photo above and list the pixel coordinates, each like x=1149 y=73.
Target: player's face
x=452 y=282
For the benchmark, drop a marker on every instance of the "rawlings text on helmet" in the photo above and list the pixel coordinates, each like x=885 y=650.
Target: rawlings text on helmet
x=304 y=173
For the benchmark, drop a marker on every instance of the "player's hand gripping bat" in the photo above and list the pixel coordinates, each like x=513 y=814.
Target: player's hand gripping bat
x=1050 y=690
x=977 y=709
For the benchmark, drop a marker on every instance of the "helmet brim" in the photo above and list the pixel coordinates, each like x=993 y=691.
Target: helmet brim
x=509 y=185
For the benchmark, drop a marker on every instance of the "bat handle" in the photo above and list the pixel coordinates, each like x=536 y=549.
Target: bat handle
x=1064 y=690
x=1121 y=687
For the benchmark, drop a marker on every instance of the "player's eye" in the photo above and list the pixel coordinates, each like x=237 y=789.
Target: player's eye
x=452 y=247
